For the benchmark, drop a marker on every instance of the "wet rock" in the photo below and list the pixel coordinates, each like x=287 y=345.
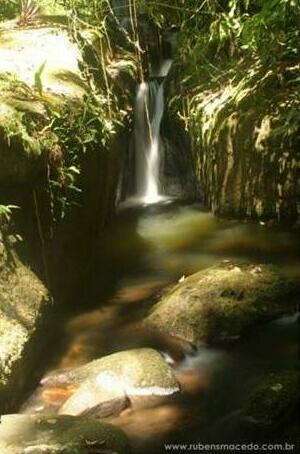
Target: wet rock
x=109 y=382
x=23 y=434
x=223 y=301
x=100 y=396
x=274 y=400
x=24 y=302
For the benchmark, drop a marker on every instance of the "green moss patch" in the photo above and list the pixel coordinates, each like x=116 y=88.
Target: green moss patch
x=222 y=302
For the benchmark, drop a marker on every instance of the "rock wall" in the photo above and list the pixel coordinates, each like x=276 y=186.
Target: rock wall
x=24 y=303
x=244 y=140
x=61 y=145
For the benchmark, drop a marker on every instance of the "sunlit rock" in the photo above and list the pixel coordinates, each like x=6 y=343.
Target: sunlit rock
x=24 y=51
x=223 y=301
x=39 y=70
x=100 y=396
x=23 y=434
x=107 y=383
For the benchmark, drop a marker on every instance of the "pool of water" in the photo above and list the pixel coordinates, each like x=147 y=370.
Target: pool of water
x=142 y=252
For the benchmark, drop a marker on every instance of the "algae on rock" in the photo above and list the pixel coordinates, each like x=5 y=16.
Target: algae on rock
x=223 y=301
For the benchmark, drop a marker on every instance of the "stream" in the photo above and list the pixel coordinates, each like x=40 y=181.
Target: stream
x=144 y=250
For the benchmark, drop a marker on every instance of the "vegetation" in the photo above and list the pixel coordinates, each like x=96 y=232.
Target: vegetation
x=63 y=131
x=237 y=46
x=225 y=40
x=6 y=212
x=68 y=76
x=238 y=68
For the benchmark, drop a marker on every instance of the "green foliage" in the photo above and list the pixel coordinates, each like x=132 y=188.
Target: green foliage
x=9 y=9
x=17 y=127
x=67 y=130
x=38 y=85
x=239 y=43
x=6 y=212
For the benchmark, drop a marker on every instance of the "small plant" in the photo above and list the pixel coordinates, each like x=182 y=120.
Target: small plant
x=6 y=212
x=38 y=85
x=30 y=12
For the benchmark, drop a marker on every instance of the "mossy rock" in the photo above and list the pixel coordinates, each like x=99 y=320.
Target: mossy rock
x=244 y=160
x=24 y=434
x=24 y=301
x=274 y=400
x=34 y=76
x=223 y=301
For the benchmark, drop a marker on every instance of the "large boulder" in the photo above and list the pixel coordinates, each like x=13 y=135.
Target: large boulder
x=23 y=303
x=107 y=384
x=24 y=51
x=34 y=78
x=223 y=301
x=23 y=434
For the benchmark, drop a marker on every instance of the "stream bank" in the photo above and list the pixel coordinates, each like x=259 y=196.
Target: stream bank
x=58 y=180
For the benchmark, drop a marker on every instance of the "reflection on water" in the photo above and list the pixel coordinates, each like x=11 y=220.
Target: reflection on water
x=140 y=255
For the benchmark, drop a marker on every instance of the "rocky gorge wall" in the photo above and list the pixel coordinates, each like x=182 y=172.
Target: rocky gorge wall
x=244 y=133
x=61 y=146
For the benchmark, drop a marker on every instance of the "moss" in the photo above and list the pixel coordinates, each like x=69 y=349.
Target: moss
x=275 y=399
x=243 y=143
x=61 y=435
x=140 y=371
x=222 y=302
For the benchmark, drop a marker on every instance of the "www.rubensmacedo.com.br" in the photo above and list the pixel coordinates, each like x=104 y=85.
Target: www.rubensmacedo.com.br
x=230 y=447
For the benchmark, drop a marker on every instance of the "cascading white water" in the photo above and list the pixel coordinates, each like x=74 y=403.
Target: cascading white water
x=149 y=111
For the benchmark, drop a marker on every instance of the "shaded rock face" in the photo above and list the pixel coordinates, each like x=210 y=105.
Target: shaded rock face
x=22 y=434
x=178 y=174
x=106 y=384
x=23 y=303
x=221 y=302
x=274 y=400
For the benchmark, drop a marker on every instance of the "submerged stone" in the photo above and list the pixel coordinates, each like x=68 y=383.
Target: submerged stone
x=223 y=301
x=24 y=434
x=107 y=383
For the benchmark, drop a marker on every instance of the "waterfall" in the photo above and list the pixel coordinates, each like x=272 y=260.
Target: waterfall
x=149 y=109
